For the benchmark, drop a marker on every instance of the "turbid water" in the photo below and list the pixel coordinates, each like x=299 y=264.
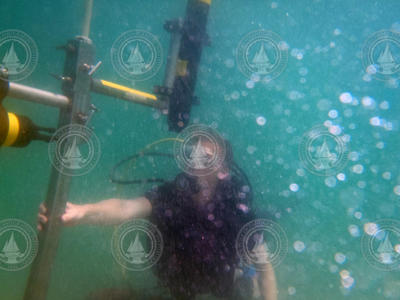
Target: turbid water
x=274 y=71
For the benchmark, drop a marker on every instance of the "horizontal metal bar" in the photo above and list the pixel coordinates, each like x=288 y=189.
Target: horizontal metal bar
x=125 y=93
x=24 y=92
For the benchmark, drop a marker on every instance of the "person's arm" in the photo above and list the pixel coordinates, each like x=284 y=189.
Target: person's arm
x=265 y=272
x=267 y=283
x=115 y=211
x=106 y=212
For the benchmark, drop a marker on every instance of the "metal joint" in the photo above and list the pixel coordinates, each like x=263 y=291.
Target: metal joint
x=173 y=26
x=3 y=72
x=4 y=87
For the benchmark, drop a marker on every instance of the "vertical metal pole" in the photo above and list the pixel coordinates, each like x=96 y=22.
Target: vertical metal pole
x=194 y=37
x=174 y=46
x=87 y=19
x=80 y=53
x=40 y=274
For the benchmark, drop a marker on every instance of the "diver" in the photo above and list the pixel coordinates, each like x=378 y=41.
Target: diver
x=199 y=218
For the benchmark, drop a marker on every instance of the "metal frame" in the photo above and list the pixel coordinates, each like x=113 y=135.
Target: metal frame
x=176 y=96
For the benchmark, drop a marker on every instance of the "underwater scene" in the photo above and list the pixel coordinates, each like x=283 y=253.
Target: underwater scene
x=199 y=150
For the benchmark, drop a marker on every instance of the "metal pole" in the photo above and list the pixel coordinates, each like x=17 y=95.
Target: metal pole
x=87 y=19
x=24 y=92
x=79 y=55
x=39 y=276
x=175 y=27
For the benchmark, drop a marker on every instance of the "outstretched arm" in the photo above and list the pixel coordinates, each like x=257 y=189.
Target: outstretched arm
x=265 y=274
x=115 y=211
x=267 y=283
x=106 y=212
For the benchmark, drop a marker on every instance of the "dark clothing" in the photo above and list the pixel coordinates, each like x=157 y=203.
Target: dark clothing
x=199 y=253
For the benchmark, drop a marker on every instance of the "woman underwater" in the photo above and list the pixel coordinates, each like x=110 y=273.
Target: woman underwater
x=199 y=218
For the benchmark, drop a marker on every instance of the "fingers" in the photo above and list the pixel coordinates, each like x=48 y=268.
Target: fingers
x=65 y=218
x=42 y=208
x=42 y=219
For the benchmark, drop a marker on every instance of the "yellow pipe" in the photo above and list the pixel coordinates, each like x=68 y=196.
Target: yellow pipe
x=129 y=90
x=206 y=1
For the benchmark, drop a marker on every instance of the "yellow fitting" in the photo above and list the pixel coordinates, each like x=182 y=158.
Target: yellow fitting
x=13 y=130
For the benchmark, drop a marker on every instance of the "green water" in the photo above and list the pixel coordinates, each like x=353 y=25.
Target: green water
x=329 y=35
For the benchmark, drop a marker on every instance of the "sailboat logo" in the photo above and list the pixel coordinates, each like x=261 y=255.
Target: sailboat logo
x=11 y=61
x=74 y=150
x=252 y=246
x=136 y=252
x=199 y=150
x=260 y=252
x=385 y=252
x=381 y=55
x=18 y=54
x=18 y=244
x=137 y=245
x=381 y=248
x=11 y=252
x=262 y=52
x=136 y=55
x=322 y=152
x=261 y=62
x=386 y=62
x=73 y=158
x=324 y=159
x=199 y=158
x=135 y=62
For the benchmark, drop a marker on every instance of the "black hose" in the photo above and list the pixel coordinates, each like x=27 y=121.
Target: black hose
x=137 y=181
x=234 y=167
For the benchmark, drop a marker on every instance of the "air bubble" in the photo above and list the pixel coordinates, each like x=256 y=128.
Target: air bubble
x=396 y=190
x=333 y=114
x=261 y=120
x=346 y=98
x=340 y=258
x=299 y=246
x=250 y=84
x=294 y=187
